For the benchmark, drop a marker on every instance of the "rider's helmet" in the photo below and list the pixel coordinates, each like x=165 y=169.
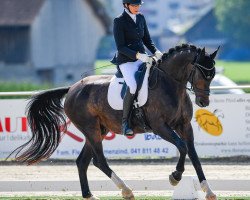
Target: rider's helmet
x=135 y=2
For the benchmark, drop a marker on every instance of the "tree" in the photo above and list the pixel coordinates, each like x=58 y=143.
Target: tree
x=234 y=20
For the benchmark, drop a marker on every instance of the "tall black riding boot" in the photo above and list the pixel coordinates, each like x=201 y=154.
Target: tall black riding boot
x=127 y=108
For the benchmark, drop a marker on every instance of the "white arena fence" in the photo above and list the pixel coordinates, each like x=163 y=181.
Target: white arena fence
x=220 y=130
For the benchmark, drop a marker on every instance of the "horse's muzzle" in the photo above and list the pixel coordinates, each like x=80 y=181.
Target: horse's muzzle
x=202 y=101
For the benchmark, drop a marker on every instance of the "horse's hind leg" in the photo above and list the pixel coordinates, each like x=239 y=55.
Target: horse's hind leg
x=101 y=163
x=82 y=163
x=92 y=132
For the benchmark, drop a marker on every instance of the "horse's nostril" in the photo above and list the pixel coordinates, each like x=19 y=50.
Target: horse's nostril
x=202 y=104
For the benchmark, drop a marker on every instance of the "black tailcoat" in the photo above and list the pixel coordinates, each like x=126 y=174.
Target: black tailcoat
x=130 y=38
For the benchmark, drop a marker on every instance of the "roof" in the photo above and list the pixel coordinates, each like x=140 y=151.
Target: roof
x=19 y=12
x=101 y=13
x=23 y=12
x=204 y=28
x=168 y=33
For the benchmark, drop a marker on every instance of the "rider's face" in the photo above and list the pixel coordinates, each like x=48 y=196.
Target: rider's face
x=134 y=9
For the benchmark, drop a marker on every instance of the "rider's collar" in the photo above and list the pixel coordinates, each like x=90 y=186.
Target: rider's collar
x=133 y=16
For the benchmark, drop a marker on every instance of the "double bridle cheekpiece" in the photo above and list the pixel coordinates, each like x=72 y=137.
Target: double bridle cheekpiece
x=207 y=73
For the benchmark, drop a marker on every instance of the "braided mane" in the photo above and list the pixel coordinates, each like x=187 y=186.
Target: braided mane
x=178 y=49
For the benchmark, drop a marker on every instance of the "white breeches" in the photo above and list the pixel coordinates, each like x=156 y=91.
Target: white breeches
x=128 y=71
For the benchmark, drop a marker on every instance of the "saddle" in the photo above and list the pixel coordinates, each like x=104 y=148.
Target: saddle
x=117 y=88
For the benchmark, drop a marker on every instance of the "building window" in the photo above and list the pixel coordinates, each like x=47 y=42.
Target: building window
x=14 y=44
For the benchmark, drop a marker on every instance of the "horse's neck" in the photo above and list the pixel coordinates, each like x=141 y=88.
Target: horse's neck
x=178 y=65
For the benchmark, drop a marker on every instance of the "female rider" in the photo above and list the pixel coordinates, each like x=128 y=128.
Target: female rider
x=131 y=34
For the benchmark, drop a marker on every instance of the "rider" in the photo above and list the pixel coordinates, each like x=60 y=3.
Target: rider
x=131 y=33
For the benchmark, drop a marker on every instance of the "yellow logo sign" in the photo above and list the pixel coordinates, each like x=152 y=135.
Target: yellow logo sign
x=209 y=122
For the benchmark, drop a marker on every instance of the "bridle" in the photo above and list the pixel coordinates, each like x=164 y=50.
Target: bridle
x=207 y=73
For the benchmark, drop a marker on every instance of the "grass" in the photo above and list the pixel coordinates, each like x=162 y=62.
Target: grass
x=110 y=198
x=239 y=72
x=80 y=198
x=25 y=86
x=102 y=65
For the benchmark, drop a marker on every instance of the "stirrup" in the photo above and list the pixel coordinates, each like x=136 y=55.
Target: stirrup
x=128 y=133
x=126 y=130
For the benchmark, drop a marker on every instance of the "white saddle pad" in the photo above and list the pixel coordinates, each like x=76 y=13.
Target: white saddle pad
x=115 y=87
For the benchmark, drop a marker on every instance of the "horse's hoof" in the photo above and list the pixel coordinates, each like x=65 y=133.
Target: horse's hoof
x=172 y=180
x=92 y=198
x=128 y=194
x=211 y=196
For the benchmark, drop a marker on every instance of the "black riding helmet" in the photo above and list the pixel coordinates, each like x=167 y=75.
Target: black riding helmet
x=134 y=2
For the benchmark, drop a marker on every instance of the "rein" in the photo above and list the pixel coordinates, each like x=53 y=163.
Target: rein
x=86 y=72
x=155 y=67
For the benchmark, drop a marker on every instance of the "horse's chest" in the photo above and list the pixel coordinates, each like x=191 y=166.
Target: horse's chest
x=186 y=113
x=183 y=112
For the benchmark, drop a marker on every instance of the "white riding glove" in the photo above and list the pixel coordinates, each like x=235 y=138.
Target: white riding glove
x=143 y=57
x=158 y=55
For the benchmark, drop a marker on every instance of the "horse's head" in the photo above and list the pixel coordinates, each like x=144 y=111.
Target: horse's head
x=201 y=75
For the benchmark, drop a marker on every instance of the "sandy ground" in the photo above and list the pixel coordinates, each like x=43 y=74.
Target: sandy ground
x=125 y=171
x=143 y=171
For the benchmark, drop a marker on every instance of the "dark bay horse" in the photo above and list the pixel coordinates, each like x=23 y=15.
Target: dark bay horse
x=87 y=107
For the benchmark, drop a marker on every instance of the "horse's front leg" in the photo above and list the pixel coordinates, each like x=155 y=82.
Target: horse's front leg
x=197 y=165
x=169 y=135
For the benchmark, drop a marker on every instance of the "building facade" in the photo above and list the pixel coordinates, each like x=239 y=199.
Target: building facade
x=48 y=41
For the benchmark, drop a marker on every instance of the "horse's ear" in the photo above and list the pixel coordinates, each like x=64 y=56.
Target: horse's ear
x=213 y=55
x=203 y=52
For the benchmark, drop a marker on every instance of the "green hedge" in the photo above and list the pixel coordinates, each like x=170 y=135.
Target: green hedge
x=19 y=87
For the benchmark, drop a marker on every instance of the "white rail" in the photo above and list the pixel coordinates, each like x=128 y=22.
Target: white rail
x=229 y=87
x=26 y=93
x=29 y=93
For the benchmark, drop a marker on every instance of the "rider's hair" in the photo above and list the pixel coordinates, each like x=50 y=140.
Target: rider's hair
x=124 y=4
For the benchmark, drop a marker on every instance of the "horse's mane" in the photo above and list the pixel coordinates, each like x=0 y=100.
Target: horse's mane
x=178 y=49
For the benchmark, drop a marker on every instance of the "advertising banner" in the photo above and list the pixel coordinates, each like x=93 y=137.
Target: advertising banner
x=13 y=126
x=116 y=146
x=14 y=131
x=223 y=128
x=220 y=130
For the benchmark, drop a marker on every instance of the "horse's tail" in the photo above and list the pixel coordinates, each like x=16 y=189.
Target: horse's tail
x=46 y=120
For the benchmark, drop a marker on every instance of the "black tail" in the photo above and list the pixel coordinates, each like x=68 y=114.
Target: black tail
x=46 y=120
